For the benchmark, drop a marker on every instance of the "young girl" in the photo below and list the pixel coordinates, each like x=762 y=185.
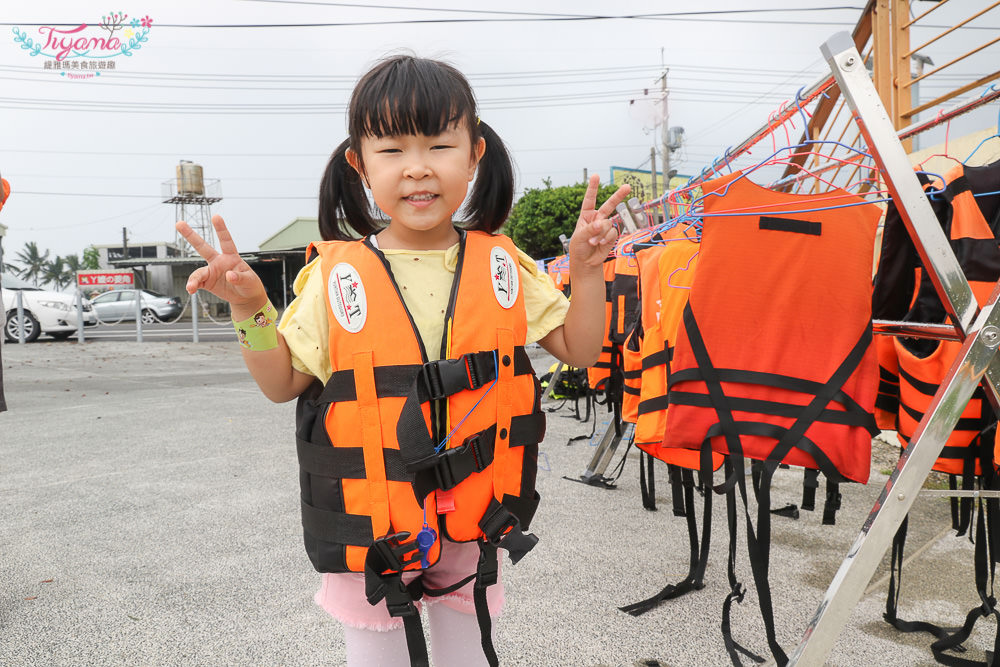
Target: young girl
x=418 y=419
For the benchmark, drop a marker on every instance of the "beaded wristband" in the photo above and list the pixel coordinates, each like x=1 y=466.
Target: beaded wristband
x=259 y=332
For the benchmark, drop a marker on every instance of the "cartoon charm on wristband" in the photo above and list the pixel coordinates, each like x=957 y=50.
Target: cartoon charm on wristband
x=259 y=332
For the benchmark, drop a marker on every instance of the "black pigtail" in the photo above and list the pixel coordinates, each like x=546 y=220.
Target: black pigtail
x=493 y=191
x=343 y=205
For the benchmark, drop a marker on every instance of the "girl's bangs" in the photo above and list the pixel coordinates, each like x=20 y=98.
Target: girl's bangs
x=413 y=102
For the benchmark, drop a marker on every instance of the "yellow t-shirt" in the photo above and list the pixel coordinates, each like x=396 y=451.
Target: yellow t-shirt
x=425 y=278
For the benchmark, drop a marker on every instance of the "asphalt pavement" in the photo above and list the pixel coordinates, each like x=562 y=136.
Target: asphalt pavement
x=150 y=517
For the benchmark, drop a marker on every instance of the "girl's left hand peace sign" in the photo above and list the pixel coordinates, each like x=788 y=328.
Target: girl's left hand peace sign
x=225 y=275
x=595 y=236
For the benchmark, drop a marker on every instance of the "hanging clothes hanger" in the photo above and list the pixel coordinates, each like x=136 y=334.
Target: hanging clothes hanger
x=679 y=269
x=993 y=136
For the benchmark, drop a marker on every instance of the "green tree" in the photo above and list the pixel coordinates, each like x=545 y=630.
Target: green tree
x=10 y=268
x=73 y=264
x=32 y=262
x=91 y=258
x=54 y=272
x=542 y=214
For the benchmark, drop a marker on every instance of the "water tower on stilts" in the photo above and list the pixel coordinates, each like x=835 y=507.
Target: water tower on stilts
x=192 y=197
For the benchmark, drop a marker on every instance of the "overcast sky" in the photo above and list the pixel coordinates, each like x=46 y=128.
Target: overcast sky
x=261 y=107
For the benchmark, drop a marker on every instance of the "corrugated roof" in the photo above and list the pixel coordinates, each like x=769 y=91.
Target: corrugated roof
x=299 y=233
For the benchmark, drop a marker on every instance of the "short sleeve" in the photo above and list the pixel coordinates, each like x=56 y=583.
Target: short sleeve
x=544 y=305
x=304 y=324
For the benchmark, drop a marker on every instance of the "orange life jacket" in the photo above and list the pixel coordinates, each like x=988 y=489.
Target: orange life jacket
x=599 y=374
x=4 y=191
x=367 y=443
x=921 y=376
x=666 y=276
x=625 y=307
x=774 y=359
x=646 y=258
x=558 y=271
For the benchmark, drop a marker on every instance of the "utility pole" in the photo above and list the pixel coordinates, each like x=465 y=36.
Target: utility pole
x=124 y=243
x=652 y=170
x=663 y=129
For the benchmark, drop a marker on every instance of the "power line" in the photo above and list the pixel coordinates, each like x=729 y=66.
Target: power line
x=126 y=196
x=200 y=155
x=521 y=19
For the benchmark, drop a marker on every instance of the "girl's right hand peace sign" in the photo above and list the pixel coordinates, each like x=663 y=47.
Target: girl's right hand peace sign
x=226 y=276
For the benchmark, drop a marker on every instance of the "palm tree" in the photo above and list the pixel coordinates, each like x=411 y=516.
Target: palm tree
x=32 y=261
x=10 y=268
x=73 y=265
x=54 y=273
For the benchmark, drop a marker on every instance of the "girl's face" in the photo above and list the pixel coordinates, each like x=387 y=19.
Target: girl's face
x=419 y=182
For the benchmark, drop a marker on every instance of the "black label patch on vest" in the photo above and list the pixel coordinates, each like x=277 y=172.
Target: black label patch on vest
x=789 y=225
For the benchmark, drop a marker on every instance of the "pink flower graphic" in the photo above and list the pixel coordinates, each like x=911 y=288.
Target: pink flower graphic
x=146 y=22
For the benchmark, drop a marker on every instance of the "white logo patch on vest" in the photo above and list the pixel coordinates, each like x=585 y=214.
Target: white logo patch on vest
x=504 y=276
x=347 y=297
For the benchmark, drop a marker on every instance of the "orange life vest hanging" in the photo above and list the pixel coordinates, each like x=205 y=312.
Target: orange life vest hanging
x=920 y=375
x=669 y=279
x=373 y=460
x=558 y=271
x=774 y=359
x=646 y=258
x=624 y=318
x=599 y=374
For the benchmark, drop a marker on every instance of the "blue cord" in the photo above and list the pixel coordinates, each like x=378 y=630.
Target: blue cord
x=427 y=535
x=496 y=371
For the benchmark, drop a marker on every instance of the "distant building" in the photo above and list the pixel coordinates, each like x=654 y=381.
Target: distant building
x=161 y=267
x=155 y=276
x=287 y=246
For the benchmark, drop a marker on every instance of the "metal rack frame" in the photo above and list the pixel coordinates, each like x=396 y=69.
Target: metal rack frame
x=979 y=331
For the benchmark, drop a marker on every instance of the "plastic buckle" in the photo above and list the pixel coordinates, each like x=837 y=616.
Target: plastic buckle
x=509 y=523
x=445 y=377
x=388 y=550
x=487 y=573
x=397 y=598
x=431 y=375
x=446 y=476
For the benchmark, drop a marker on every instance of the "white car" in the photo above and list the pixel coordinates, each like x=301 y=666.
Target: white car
x=52 y=313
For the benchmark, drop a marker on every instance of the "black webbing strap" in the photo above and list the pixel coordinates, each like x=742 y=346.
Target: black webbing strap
x=953 y=501
x=832 y=503
x=698 y=556
x=810 y=482
x=486 y=575
x=346 y=462
x=794 y=436
x=859 y=417
x=654 y=404
x=774 y=408
x=337 y=527
x=452 y=466
x=658 y=358
x=676 y=478
x=948 y=639
x=502 y=528
x=647 y=481
x=389 y=381
x=737 y=591
x=437 y=380
x=384 y=564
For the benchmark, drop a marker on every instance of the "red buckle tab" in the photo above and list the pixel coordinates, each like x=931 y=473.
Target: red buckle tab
x=445 y=501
